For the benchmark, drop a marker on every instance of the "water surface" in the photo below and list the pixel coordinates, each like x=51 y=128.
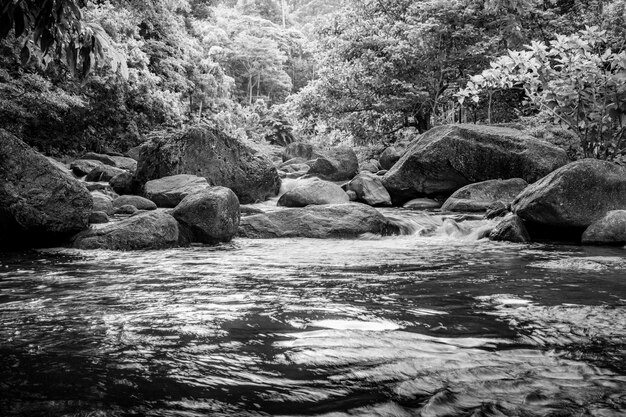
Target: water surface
x=437 y=325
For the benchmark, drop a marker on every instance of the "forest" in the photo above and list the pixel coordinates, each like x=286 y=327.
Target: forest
x=341 y=208
x=107 y=75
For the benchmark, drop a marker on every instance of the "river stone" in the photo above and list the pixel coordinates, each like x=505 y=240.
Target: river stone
x=124 y=183
x=102 y=202
x=371 y=165
x=574 y=196
x=447 y=158
x=313 y=191
x=134 y=152
x=169 y=191
x=336 y=164
x=122 y=162
x=609 y=230
x=292 y=161
x=134 y=200
x=211 y=215
x=211 y=154
x=98 y=217
x=510 y=229
x=325 y=221
x=389 y=157
x=126 y=209
x=369 y=189
x=497 y=209
x=481 y=195
x=422 y=204
x=39 y=204
x=82 y=167
x=103 y=173
x=148 y=230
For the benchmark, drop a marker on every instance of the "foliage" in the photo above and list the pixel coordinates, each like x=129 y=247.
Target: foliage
x=574 y=80
x=388 y=65
x=57 y=28
x=180 y=62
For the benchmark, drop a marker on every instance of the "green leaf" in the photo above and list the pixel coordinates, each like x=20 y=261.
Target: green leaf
x=18 y=15
x=5 y=24
x=24 y=55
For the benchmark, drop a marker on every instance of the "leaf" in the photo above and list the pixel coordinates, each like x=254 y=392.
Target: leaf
x=18 y=16
x=5 y=24
x=25 y=55
x=47 y=39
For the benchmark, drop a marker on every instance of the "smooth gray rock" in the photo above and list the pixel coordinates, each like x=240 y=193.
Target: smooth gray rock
x=98 y=217
x=148 y=230
x=211 y=215
x=325 y=221
x=103 y=173
x=389 y=157
x=422 y=204
x=134 y=200
x=126 y=209
x=609 y=230
x=447 y=158
x=82 y=167
x=171 y=190
x=510 y=229
x=122 y=162
x=575 y=195
x=211 y=154
x=313 y=191
x=370 y=190
x=102 y=202
x=39 y=204
x=481 y=195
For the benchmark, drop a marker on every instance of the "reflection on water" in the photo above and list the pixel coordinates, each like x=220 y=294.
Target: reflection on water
x=436 y=325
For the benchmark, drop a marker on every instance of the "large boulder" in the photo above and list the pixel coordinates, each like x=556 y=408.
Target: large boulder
x=140 y=203
x=211 y=154
x=510 y=229
x=370 y=190
x=313 y=191
x=337 y=164
x=574 y=196
x=389 y=157
x=326 y=221
x=151 y=230
x=609 y=230
x=169 y=191
x=211 y=215
x=481 y=195
x=39 y=204
x=447 y=158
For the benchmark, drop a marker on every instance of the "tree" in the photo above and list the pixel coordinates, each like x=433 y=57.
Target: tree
x=57 y=29
x=575 y=81
x=388 y=65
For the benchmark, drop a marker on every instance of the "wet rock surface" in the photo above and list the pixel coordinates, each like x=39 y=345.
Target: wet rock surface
x=447 y=158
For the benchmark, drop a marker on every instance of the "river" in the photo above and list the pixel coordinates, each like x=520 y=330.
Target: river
x=426 y=324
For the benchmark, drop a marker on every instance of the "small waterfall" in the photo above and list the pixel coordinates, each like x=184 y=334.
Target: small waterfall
x=457 y=227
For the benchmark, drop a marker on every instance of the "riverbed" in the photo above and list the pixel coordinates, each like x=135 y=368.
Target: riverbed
x=428 y=324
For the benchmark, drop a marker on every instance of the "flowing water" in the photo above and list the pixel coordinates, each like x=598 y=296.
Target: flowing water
x=435 y=323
